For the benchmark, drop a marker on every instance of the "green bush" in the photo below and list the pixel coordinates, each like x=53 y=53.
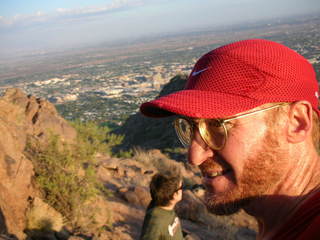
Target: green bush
x=58 y=173
x=124 y=154
x=66 y=174
x=95 y=138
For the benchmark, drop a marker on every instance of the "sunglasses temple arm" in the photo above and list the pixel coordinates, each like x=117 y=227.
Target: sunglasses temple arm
x=252 y=113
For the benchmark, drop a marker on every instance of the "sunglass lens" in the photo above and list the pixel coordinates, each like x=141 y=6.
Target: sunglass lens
x=213 y=133
x=184 y=131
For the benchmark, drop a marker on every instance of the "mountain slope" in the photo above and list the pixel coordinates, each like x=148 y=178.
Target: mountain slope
x=150 y=133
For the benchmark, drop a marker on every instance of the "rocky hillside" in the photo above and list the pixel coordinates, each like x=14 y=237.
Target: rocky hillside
x=22 y=117
x=129 y=180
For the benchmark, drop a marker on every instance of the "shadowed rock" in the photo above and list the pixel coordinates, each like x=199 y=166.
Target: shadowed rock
x=150 y=133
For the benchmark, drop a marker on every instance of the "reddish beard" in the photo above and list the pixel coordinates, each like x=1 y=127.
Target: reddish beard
x=261 y=172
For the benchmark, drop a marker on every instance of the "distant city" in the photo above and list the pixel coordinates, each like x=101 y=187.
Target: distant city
x=108 y=84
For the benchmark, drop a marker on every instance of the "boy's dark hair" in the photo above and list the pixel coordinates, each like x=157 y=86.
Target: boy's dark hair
x=162 y=188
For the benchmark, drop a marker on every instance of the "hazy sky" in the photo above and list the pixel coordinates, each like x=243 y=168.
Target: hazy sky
x=41 y=24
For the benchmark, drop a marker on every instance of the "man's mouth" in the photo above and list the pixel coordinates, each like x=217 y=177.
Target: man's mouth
x=216 y=173
x=217 y=181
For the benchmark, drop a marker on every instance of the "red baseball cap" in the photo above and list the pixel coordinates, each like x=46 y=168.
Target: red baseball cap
x=238 y=77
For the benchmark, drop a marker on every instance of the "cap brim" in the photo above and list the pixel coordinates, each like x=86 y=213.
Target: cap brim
x=198 y=104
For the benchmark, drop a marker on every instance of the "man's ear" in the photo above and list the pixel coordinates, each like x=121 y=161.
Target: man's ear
x=300 y=121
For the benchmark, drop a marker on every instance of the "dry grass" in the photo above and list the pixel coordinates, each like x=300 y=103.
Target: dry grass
x=142 y=156
x=155 y=158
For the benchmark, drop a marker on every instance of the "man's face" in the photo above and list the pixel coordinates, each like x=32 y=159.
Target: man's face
x=245 y=169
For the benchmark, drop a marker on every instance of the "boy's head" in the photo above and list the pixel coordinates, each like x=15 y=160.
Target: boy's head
x=164 y=188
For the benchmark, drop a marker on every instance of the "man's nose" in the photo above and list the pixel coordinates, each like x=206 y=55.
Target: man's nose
x=199 y=151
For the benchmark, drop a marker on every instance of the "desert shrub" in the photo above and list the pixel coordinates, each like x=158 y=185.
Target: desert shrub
x=158 y=160
x=58 y=173
x=143 y=156
x=124 y=154
x=66 y=173
x=95 y=138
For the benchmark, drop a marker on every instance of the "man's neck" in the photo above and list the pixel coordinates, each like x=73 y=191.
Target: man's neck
x=274 y=209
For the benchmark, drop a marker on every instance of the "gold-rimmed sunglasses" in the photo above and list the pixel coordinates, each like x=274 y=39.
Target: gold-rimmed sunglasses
x=214 y=132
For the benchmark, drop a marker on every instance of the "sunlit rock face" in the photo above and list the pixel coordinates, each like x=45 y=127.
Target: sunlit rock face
x=22 y=117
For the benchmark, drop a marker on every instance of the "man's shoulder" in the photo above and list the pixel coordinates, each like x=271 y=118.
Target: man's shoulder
x=313 y=230
x=311 y=215
x=305 y=222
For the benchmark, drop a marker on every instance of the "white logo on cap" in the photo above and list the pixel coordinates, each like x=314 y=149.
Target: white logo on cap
x=198 y=72
x=317 y=94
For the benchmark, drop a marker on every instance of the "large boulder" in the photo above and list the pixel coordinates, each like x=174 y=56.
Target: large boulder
x=136 y=195
x=22 y=117
x=192 y=208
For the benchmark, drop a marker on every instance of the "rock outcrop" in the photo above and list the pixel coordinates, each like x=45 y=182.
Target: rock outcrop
x=21 y=117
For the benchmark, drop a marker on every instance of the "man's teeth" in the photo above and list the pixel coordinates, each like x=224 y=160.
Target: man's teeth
x=214 y=174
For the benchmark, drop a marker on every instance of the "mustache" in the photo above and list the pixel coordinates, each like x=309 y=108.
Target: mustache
x=217 y=162
x=212 y=162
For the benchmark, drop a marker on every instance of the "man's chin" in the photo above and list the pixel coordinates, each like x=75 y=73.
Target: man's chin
x=223 y=209
x=226 y=208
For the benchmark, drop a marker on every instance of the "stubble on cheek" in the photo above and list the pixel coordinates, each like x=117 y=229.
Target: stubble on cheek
x=264 y=171
x=261 y=173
